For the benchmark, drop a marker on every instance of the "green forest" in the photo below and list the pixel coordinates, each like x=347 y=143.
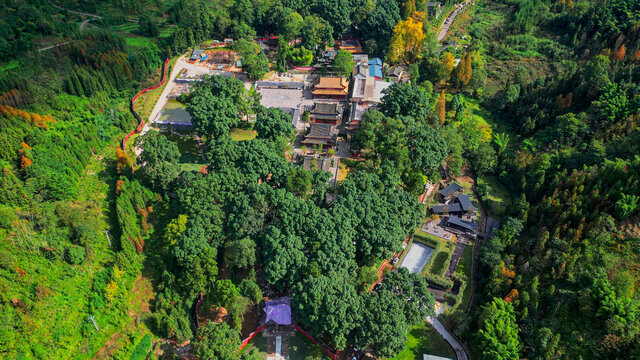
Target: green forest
x=105 y=251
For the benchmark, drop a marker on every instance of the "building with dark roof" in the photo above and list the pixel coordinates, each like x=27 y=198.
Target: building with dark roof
x=444 y=209
x=361 y=59
x=451 y=190
x=397 y=74
x=327 y=113
x=491 y=226
x=466 y=226
x=360 y=72
x=355 y=115
x=196 y=55
x=350 y=45
x=321 y=134
x=465 y=203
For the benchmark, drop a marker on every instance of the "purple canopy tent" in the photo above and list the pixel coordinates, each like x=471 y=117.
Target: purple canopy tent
x=278 y=311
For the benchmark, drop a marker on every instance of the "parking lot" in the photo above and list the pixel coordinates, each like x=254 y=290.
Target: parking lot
x=417 y=257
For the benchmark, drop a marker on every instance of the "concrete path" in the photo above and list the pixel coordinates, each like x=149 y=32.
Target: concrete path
x=162 y=100
x=461 y=353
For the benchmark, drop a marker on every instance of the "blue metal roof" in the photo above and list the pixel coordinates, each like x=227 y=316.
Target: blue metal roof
x=375 y=61
x=375 y=71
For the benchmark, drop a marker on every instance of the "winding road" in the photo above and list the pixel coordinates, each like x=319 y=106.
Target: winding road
x=461 y=352
x=91 y=17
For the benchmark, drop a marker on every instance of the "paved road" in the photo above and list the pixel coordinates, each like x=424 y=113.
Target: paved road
x=461 y=353
x=95 y=16
x=447 y=24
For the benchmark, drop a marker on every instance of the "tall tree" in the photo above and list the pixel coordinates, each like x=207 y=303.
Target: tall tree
x=446 y=65
x=402 y=99
x=441 y=108
x=329 y=304
x=272 y=123
x=377 y=28
x=216 y=341
x=498 y=333
x=427 y=148
x=407 y=43
x=160 y=158
x=343 y=63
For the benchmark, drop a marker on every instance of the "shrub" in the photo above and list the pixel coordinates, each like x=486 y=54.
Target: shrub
x=74 y=254
x=7 y=217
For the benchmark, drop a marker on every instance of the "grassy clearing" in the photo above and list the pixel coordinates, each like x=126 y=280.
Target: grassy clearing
x=139 y=41
x=167 y=32
x=437 y=264
x=13 y=64
x=423 y=339
x=498 y=198
x=125 y=27
x=464 y=267
x=243 y=135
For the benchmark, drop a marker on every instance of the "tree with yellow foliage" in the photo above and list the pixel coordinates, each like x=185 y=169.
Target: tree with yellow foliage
x=408 y=40
x=447 y=64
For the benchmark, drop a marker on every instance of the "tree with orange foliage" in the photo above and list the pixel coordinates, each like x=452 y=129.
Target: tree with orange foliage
x=513 y=294
x=468 y=71
x=462 y=72
x=123 y=160
x=408 y=40
x=564 y=102
x=620 y=54
x=39 y=121
x=441 y=108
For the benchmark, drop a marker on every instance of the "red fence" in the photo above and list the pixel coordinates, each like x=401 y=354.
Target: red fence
x=332 y=355
x=246 y=341
x=133 y=104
